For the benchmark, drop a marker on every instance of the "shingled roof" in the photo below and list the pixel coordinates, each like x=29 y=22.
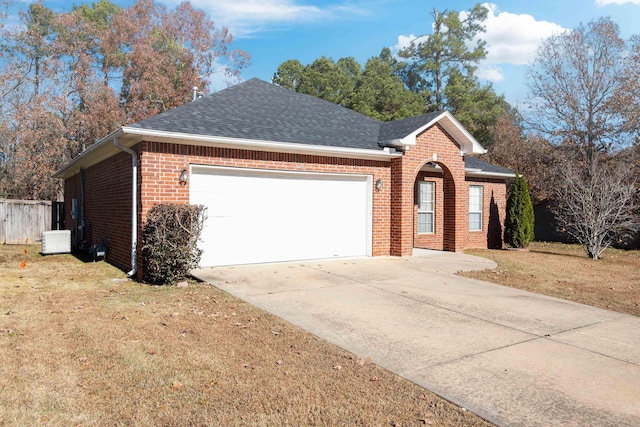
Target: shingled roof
x=259 y=110
x=398 y=129
x=256 y=113
x=473 y=163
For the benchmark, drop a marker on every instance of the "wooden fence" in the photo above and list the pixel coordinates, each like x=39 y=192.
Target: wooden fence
x=23 y=219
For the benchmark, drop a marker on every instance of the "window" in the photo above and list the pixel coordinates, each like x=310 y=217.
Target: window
x=475 y=207
x=425 y=206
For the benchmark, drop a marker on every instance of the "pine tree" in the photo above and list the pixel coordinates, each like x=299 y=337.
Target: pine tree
x=520 y=220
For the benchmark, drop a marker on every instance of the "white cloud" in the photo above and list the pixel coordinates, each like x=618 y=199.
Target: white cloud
x=219 y=80
x=244 y=17
x=514 y=38
x=608 y=2
x=511 y=38
x=404 y=42
x=490 y=74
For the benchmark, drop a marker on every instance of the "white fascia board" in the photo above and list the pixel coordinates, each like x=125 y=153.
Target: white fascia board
x=477 y=173
x=395 y=143
x=468 y=144
x=260 y=145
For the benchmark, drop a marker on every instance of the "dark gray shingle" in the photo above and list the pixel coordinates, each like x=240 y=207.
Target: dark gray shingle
x=471 y=162
x=398 y=129
x=259 y=110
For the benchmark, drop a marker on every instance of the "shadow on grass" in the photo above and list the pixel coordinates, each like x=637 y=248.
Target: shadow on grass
x=558 y=253
x=85 y=257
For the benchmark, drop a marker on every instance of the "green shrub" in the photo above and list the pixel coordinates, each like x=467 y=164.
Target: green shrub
x=520 y=221
x=171 y=233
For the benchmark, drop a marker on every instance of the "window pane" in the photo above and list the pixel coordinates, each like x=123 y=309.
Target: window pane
x=475 y=198
x=475 y=207
x=428 y=206
x=429 y=224
x=425 y=206
x=422 y=222
x=425 y=195
x=475 y=221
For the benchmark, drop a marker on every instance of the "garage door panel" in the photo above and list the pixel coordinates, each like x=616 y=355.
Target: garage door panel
x=259 y=216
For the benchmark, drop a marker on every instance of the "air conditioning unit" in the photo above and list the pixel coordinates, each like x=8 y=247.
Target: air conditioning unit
x=56 y=242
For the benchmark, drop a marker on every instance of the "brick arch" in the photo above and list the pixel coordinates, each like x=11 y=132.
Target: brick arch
x=448 y=230
x=432 y=145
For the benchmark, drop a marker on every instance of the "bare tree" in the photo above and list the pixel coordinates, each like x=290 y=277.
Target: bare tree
x=577 y=82
x=598 y=202
x=585 y=101
x=629 y=101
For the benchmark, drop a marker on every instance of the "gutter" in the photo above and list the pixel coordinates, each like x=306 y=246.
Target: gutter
x=134 y=205
x=477 y=173
x=94 y=152
x=260 y=145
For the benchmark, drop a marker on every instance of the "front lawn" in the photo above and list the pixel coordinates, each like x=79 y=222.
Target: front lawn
x=82 y=346
x=564 y=271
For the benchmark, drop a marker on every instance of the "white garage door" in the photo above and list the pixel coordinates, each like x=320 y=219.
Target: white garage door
x=256 y=216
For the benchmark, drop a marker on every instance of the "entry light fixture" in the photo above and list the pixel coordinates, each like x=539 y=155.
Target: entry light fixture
x=379 y=185
x=184 y=176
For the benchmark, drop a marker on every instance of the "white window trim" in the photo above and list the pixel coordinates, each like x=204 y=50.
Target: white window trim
x=432 y=184
x=476 y=211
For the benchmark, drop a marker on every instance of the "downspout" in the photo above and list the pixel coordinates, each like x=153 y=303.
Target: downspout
x=134 y=205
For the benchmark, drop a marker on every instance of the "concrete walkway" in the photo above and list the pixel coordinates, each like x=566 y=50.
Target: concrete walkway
x=513 y=357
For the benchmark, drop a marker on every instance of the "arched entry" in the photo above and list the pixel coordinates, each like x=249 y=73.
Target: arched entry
x=436 y=147
x=434 y=207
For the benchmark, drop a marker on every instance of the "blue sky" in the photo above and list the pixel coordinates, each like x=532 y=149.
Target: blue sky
x=273 y=31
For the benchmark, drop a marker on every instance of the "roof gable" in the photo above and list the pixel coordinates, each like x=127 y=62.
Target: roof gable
x=403 y=133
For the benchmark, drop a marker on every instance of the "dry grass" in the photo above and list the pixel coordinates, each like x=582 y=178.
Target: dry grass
x=564 y=271
x=82 y=346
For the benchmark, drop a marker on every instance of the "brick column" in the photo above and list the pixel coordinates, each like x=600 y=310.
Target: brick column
x=402 y=184
x=455 y=210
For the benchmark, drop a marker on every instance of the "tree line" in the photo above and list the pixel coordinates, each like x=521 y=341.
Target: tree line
x=577 y=142
x=70 y=78
x=436 y=71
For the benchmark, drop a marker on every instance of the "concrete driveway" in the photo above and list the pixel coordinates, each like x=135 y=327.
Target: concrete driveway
x=512 y=357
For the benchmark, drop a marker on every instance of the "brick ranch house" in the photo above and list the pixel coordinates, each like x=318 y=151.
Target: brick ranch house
x=287 y=176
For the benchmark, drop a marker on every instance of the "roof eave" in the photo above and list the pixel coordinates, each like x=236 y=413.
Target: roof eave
x=260 y=145
x=98 y=151
x=77 y=162
x=476 y=173
x=395 y=143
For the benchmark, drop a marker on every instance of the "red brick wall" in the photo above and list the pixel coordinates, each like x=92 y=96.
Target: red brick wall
x=494 y=202
x=434 y=240
x=432 y=141
x=108 y=192
x=161 y=164
x=107 y=206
